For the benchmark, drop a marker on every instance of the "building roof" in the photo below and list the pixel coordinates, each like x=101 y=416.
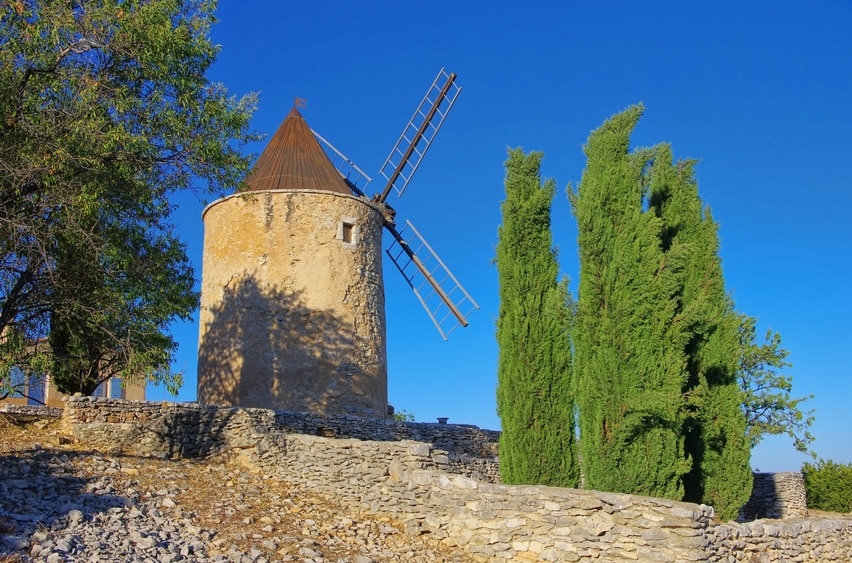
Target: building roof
x=294 y=160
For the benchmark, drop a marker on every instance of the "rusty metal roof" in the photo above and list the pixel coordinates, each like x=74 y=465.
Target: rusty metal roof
x=294 y=160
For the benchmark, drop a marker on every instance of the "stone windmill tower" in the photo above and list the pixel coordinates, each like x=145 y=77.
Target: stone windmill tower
x=292 y=294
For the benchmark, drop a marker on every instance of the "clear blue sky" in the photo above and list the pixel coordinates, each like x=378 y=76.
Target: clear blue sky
x=759 y=92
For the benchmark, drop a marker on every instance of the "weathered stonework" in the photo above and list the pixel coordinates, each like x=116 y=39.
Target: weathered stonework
x=817 y=540
x=411 y=481
x=33 y=411
x=292 y=304
x=776 y=495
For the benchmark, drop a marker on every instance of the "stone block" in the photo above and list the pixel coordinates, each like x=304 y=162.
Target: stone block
x=514 y=522
x=465 y=483
x=419 y=450
x=654 y=534
x=550 y=554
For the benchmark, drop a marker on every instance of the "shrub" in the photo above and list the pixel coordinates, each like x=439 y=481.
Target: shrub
x=403 y=416
x=828 y=486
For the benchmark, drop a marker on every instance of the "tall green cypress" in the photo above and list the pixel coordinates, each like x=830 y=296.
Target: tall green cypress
x=628 y=349
x=715 y=427
x=534 y=398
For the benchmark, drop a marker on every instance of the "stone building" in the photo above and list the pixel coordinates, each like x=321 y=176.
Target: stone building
x=292 y=297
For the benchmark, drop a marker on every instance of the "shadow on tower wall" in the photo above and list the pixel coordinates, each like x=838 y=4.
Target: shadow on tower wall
x=263 y=347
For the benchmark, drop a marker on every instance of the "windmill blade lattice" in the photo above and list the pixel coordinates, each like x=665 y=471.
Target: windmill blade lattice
x=417 y=136
x=356 y=179
x=445 y=300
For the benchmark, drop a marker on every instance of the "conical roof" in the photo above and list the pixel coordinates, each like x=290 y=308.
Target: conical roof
x=294 y=160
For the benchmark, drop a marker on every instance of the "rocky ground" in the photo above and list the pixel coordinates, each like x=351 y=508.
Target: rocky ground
x=59 y=502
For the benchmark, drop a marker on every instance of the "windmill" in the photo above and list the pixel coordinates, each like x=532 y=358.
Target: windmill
x=292 y=288
x=445 y=300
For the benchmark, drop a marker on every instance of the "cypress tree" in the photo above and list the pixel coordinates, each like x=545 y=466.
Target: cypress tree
x=628 y=349
x=715 y=426
x=534 y=398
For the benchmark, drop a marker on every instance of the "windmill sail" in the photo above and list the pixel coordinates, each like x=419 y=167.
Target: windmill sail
x=355 y=178
x=417 y=136
x=445 y=300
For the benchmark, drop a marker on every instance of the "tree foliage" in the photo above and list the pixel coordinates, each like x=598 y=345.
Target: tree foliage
x=714 y=429
x=829 y=486
x=655 y=339
x=105 y=110
x=534 y=397
x=767 y=402
x=629 y=350
x=115 y=327
x=671 y=389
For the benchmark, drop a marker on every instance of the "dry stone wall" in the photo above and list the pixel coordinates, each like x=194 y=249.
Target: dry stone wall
x=458 y=448
x=820 y=540
x=776 y=495
x=410 y=479
x=31 y=410
x=188 y=430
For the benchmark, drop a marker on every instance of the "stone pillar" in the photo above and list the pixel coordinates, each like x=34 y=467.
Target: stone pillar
x=776 y=495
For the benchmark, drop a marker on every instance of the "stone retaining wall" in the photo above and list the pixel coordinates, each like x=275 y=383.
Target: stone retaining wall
x=187 y=430
x=459 y=448
x=817 y=540
x=410 y=479
x=30 y=410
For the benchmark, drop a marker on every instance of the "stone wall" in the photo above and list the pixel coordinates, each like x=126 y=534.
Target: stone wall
x=175 y=430
x=31 y=410
x=410 y=480
x=171 y=430
x=459 y=448
x=776 y=495
x=817 y=540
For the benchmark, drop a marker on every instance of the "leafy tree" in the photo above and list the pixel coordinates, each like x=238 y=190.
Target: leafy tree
x=715 y=425
x=35 y=358
x=117 y=327
x=628 y=348
x=534 y=398
x=105 y=110
x=767 y=403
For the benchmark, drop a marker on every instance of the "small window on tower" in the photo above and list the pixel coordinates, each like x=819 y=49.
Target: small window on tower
x=348 y=234
x=347 y=231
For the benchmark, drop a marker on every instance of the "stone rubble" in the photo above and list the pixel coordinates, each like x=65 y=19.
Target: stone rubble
x=58 y=504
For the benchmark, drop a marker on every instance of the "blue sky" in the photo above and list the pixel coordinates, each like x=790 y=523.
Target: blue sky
x=759 y=92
